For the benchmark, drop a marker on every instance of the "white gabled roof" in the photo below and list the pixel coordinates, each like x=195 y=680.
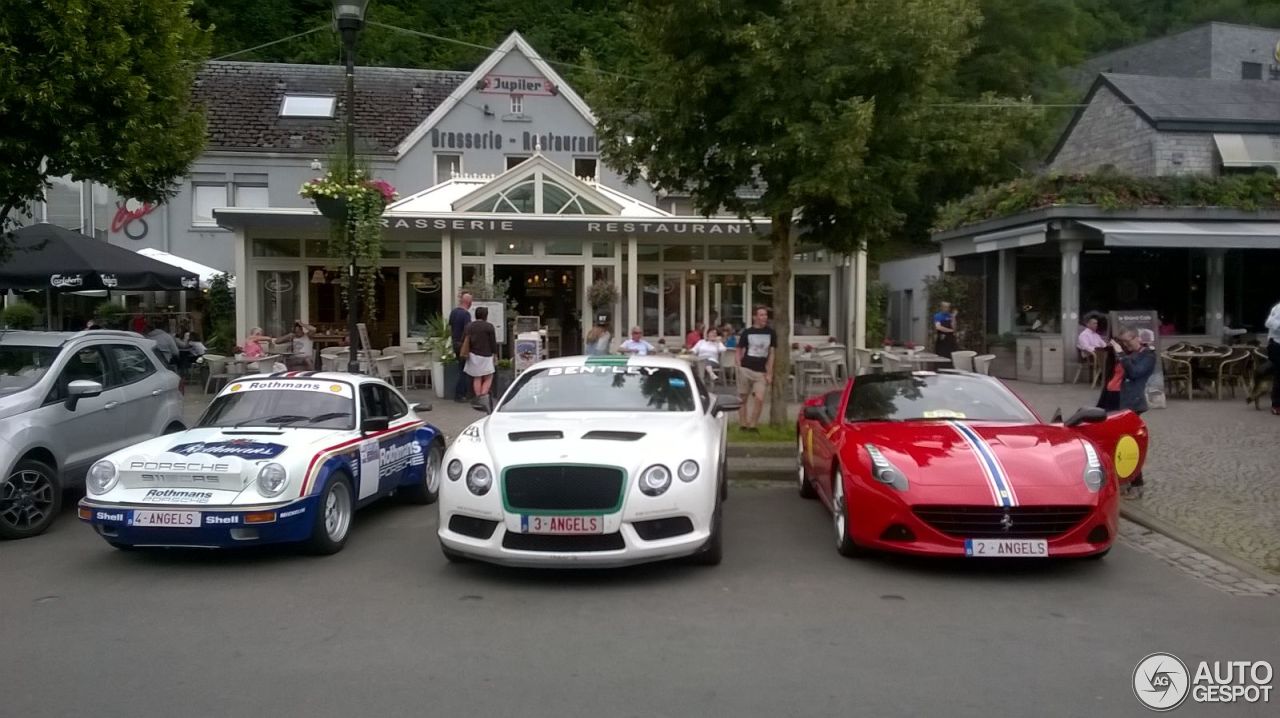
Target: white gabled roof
x=440 y=198
x=514 y=42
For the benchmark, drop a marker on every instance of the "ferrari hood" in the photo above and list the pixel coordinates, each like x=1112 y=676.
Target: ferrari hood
x=1021 y=459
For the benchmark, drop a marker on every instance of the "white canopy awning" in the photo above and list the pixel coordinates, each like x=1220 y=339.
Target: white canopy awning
x=1187 y=235
x=1247 y=150
x=206 y=273
x=1010 y=238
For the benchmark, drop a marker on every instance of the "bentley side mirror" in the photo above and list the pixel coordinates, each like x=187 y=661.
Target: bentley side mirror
x=81 y=389
x=1088 y=415
x=374 y=424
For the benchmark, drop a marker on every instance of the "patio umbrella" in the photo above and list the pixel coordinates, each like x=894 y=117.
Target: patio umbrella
x=45 y=256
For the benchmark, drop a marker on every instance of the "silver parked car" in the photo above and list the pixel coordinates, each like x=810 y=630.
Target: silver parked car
x=67 y=400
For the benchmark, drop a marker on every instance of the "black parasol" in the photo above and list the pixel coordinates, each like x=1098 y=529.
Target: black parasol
x=45 y=256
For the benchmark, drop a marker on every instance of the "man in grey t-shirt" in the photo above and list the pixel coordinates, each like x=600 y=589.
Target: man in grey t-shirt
x=756 y=345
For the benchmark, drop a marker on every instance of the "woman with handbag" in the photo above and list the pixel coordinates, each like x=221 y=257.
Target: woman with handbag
x=479 y=345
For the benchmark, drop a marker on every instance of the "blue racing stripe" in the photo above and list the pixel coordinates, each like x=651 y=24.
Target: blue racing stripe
x=988 y=458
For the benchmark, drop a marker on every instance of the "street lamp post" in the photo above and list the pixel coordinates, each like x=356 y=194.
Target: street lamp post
x=348 y=17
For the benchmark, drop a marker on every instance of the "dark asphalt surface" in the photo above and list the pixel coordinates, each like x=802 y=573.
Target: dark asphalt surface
x=785 y=627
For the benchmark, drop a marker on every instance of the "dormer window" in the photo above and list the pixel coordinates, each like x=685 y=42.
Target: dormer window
x=311 y=106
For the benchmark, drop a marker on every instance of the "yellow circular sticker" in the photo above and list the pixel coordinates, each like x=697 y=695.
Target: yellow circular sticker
x=234 y=387
x=1127 y=455
x=335 y=388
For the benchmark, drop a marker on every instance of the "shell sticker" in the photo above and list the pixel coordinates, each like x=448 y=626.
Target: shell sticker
x=1127 y=456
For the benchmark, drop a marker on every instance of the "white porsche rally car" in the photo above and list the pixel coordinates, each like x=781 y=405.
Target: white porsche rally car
x=275 y=458
x=590 y=461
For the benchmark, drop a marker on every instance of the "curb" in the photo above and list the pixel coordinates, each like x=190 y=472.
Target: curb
x=763 y=449
x=1169 y=529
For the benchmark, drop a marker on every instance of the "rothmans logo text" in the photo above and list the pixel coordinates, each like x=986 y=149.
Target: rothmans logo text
x=178 y=496
x=241 y=449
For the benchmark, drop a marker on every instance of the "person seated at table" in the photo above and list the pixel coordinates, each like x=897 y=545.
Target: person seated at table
x=708 y=351
x=165 y=344
x=251 y=347
x=730 y=338
x=693 y=337
x=636 y=344
x=300 y=347
x=190 y=348
x=1090 y=340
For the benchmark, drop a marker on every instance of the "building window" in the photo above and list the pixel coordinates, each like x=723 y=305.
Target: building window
x=447 y=165
x=602 y=249
x=762 y=294
x=513 y=160
x=650 y=295
x=585 y=167
x=515 y=246
x=62 y=203
x=567 y=247
x=1251 y=71
x=682 y=253
x=812 y=299
x=425 y=300
x=279 y=301
x=307 y=106
x=277 y=248
x=728 y=295
x=472 y=247
x=517 y=104
x=251 y=196
x=204 y=198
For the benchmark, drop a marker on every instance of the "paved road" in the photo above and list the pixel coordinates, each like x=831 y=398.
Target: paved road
x=784 y=627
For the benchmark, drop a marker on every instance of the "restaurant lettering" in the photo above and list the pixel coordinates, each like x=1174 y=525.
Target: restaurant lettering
x=549 y=142
x=516 y=85
x=489 y=140
x=507 y=225
x=528 y=141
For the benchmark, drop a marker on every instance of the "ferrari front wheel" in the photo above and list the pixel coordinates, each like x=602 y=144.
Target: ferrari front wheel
x=840 y=518
x=806 y=488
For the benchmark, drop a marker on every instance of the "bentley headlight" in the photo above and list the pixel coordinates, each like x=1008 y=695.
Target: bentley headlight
x=688 y=470
x=655 y=480
x=1093 y=473
x=272 y=480
x=102 y=477
x=454 y=470
x=479 y=479
x=884 y=471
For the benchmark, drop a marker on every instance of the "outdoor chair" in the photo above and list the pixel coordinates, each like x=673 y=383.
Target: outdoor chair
x=866 y=361
x=1177 y=372
x=416 y=361
x=729 y=365
x=1233 y=371
x=982 y=363
x=382 y=368
x=963 y=360
x=219 y=373
x=835 y=355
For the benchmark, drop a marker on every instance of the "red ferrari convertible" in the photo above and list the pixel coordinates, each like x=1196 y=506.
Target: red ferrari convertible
x=955 y=464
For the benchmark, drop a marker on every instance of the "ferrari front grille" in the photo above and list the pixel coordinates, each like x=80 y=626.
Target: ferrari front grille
x=998 y=522
x=531 y=489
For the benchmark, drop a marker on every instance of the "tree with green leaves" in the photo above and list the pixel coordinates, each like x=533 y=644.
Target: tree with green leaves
x=833 y=110
x=99 y=90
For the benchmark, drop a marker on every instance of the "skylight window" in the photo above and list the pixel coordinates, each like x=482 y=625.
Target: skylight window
x=307 y=106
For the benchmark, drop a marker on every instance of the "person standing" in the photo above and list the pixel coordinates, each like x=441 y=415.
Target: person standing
x=482 y=344
x=1273 y=355
x=756 y=347
x=944 y=327
x=165 y=344
x=597 y=343
x=1134 y=364
x=459 y=319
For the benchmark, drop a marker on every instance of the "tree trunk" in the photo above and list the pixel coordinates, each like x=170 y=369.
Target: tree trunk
x=780 y=238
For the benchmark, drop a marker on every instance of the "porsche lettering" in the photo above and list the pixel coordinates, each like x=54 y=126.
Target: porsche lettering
x=179 y=466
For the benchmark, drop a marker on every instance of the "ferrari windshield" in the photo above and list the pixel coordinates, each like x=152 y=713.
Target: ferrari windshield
x=923 y=396
x=21 y=366
x=601 y=388
x=279 y=407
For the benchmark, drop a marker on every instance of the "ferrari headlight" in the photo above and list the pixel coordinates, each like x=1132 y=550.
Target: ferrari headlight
x=1093 y=473
x=479 y=479
x=272 y=480
x=454 y=470
x=655 y=480
x=884 y=471
x=102 y=477
x=688 y=470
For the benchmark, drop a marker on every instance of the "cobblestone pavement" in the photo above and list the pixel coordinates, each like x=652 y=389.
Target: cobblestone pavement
x=1199 y=566
x=1212 y=473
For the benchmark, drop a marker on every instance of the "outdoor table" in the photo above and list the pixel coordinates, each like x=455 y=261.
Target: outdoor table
x=1202 y=364
x=322 y=341
x=922 y=360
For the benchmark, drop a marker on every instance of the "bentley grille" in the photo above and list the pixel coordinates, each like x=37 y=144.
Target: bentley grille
x=531 y=489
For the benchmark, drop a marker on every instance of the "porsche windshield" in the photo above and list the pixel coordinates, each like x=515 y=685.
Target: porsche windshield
x=601 y=388
x=291 y=408
x=21 y=366
x=909 y=397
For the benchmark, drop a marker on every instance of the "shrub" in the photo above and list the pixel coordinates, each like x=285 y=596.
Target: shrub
x=19 y=315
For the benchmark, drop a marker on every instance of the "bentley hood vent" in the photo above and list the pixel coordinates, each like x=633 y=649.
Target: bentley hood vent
x=614 y=435
x=534 y=435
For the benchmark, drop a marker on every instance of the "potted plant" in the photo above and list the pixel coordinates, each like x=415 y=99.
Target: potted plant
x=439 y=345
x=19 y=315
x=504 y=376
x=602 y=295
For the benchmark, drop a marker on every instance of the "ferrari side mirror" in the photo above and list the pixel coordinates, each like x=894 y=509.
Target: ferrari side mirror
x=1088 y=415
x=1057 y=416
x=816 y=413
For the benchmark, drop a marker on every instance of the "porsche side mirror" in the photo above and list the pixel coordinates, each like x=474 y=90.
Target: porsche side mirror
x=374 y=423
x=816 y=413
x=81 y=389
x=1088 y=415
x=420 y=408
x=724 y=404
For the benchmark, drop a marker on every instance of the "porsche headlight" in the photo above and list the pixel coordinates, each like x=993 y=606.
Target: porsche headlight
x=272 y=480
x=884 y=471
x=688 y=470
x=1094 y=476
x=454 y=470
x=102 y=477
x=655 y=480
x=479 y=479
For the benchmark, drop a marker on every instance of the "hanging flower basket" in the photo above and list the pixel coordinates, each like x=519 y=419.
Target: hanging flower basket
x=354 y=204
x=334 y=208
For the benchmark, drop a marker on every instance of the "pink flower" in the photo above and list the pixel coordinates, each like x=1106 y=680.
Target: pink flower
x=808 y=347
x=384 y=187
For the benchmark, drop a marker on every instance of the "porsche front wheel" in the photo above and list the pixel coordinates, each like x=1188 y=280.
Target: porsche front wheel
x=806 y=488
x=428 y=490
x=333 y=518
x=840 y=518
